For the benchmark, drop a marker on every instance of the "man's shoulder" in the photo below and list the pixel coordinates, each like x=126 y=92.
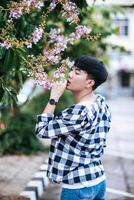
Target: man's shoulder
x=75 y=109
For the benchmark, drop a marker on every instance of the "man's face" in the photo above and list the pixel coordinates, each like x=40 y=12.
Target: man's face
x=77 y=80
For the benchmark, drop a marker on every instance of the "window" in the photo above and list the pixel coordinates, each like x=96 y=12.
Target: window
x=123 y=26
x=124 y=78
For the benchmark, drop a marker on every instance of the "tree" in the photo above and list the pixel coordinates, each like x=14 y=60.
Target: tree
x=28 y=24
x=38 y=36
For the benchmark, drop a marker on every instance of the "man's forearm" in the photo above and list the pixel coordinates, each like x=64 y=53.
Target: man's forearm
x=49 y=108
x=56 y=92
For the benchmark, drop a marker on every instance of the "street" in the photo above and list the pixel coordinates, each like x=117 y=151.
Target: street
x=119 y=154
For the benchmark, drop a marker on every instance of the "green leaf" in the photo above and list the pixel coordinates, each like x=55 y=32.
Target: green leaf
x=2 y=52
x=8 y=60
x=20 y=77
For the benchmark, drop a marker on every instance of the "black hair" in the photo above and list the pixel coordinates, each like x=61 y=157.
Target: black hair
x=93 y=67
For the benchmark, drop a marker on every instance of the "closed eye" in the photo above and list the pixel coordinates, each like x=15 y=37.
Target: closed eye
x=77 y=71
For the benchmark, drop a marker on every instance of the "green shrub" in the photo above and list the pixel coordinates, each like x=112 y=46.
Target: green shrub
x=19 y=137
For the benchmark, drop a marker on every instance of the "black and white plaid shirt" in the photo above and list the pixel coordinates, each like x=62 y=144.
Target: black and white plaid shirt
x=78 y=139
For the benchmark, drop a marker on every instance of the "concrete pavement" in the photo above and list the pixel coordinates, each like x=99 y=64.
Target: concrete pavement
x=119 y=155
x=16 y=171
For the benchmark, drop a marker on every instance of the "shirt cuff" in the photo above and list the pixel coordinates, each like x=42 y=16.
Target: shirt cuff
x=45 y=116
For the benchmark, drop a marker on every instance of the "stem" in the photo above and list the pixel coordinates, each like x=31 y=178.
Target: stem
x=3 y=8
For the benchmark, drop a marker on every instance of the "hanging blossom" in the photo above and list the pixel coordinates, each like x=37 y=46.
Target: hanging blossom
x=54 y=33
x=37 y=35
x=18 y=9
x=81 y=31
x=5 y=44
x=51 y=56
x=57 y=42
x=60 y=42
x=70 y=12
x=60 y=72
x=42 y=79
x=16 y=12
x=52 y=5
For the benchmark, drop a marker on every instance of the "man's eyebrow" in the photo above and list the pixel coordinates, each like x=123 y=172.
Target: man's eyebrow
x=77 y=68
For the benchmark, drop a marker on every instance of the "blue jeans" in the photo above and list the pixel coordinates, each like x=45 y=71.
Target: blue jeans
x=96 y=192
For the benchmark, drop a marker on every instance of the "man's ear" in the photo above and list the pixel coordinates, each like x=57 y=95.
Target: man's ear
x=90 y=83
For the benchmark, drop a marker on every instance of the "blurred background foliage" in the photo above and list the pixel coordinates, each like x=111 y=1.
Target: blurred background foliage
x=17 y=121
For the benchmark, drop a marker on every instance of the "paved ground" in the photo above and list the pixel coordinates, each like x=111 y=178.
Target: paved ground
x=119 y=157
x=16 y=171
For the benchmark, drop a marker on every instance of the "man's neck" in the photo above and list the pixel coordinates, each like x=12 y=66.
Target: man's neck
x=84 y=96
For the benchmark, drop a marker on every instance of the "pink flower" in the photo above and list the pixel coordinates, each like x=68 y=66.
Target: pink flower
x=61 y=42
x=70 y=7
x=52 y=5
x=56 y=74
x=29 y=45
x=72 y=38
x=51 y=56
x=70 y=12
x=5 y=44
x=42 y=79
x=15 y=13
x=36 y=3
x=54 y=33
x=47 y=85
x=40 y=69
x=37 y=35
x=81 y=31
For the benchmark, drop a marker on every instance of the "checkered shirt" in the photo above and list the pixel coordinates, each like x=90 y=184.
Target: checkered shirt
x=78 y=139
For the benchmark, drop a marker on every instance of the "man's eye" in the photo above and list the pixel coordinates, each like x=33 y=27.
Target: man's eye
x=77 y=72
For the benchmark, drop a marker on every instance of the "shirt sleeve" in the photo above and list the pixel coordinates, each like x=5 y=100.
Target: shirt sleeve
x=69 y=121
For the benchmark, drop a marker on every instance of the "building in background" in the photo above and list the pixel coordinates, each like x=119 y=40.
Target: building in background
x=122 y=64
x=121 y=78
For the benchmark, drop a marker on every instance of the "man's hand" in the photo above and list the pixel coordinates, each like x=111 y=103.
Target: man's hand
x=58 y=89
x=56 y=92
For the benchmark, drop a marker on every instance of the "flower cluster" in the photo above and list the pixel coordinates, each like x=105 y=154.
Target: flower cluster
x=70 y=12
x=51 y=56
x=81 y=31
x=25 y=6
x=42 y=78
x=16 y=13
x=60 y=42
x=5 y=44
x=36 y=36
x=52 y=5
x=56 y=40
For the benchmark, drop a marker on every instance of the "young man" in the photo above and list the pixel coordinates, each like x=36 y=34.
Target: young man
x=78 y=133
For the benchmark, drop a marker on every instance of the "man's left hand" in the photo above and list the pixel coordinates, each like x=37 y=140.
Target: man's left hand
x=58 y=89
